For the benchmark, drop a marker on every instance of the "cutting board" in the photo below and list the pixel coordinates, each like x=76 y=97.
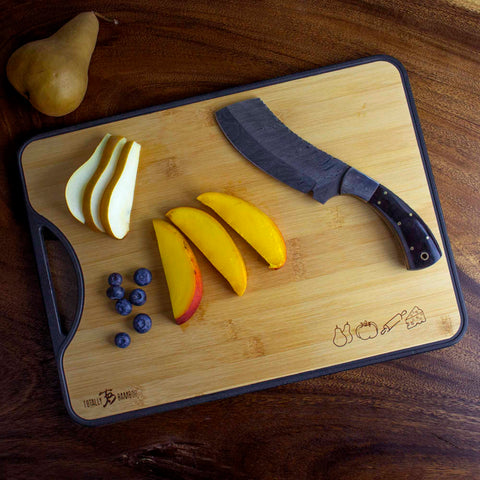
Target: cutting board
x=344 y=297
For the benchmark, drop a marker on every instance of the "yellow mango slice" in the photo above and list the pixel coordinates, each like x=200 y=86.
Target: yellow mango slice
x=181 y=270
x=214 y=242
x=251 y=223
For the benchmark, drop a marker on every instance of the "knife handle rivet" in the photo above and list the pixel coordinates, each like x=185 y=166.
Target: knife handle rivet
x=379 y=202
x=410 y=214
x=412 y=249
x=399 y=223
x=424 y=256
x=427 y=237
x=385 y=192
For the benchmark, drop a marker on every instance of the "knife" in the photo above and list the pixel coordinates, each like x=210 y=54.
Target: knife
x=264 y=140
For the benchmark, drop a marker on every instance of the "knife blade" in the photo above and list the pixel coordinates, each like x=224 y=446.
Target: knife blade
x=255 y=131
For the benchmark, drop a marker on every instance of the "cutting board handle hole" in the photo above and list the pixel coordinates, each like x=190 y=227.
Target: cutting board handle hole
x=64 y=280
x=61 y=280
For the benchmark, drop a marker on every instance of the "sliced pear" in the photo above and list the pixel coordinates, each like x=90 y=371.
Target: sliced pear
x=251 y=223
x=98 y=183
x=75 y=189
x=117 y=200
x=214 y=242
x=183 y=276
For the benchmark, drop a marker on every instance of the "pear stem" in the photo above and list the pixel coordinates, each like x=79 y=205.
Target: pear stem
x=107 y=19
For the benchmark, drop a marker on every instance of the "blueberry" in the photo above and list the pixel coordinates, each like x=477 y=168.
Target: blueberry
x=142 y=323
x=123 y=307
x=115 y=292
x=138 y=297
x=142 y=277
x=122 y=340
x=115 y=279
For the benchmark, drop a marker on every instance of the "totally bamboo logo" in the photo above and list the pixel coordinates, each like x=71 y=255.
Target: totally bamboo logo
x=109 y=397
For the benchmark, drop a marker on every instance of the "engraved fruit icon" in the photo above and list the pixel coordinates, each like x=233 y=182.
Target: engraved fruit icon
x=348 y=334
x=339 y=338
x=366 y=330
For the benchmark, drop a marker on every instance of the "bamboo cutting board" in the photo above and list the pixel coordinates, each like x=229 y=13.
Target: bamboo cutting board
x=343 y=298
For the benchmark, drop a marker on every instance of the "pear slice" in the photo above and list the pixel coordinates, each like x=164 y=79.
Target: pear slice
x=214 y=242
x=117 y=199
x=99 y=181
x=255 y=226
x=75 y=189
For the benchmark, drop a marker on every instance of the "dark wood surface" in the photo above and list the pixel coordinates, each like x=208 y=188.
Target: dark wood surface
x=415 y=418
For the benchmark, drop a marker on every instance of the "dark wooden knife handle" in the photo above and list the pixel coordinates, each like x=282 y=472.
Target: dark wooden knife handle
x=417 y=241
x=419 y=245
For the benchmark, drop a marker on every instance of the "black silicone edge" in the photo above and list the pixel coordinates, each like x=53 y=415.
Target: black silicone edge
x=59 y=351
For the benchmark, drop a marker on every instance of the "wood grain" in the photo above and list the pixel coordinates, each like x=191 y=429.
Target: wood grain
x=410 y=418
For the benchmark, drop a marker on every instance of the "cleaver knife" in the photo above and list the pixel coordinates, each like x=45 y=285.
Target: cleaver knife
x=264 y=140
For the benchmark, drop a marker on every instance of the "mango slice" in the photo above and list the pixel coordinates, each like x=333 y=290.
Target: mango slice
x=214 y=242
x=181 y=270
x=251 y=223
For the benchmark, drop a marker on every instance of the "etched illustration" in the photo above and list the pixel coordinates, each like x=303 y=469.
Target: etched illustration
x=342 y=336
x=366 y=330
x=339 y=338
x=395 y=320
x=348 y=334
x=415 y=317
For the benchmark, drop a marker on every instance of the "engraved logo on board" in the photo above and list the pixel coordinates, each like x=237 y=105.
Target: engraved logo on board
x=108 y=397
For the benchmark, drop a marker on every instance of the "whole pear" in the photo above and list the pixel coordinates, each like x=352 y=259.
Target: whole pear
x=53 y=73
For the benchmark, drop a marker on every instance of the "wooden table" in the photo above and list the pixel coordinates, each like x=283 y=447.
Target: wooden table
x=417 y=417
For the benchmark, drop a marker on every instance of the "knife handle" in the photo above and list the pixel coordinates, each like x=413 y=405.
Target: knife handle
x=419 y=246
